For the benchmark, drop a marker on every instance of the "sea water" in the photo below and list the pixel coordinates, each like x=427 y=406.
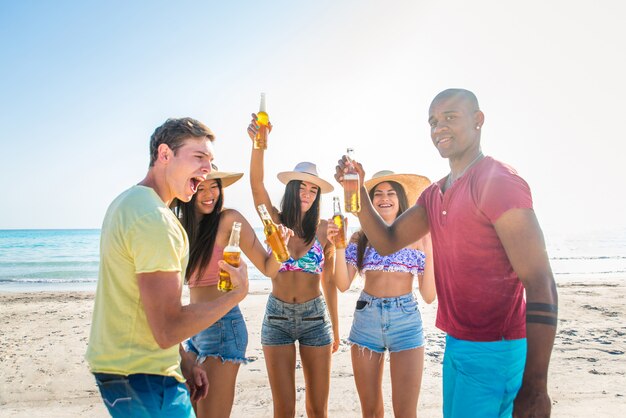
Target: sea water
x=67 y=259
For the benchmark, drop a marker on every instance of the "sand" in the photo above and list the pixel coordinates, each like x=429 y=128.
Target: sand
x=43 y=337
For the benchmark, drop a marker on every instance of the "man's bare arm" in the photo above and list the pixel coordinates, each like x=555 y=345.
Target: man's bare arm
x=386 y=239
x=521 y=236
x=169 y=320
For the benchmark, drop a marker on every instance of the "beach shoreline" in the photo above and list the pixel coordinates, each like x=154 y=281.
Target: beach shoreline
x=44 y=337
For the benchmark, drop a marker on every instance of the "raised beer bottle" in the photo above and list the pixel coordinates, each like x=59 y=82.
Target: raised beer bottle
x=351 y=186
x=340 y=221
x=272 y=234
x=232 y=255
x=260 y=140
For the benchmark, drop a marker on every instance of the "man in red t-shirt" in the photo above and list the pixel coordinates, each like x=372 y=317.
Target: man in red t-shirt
x=488 y=248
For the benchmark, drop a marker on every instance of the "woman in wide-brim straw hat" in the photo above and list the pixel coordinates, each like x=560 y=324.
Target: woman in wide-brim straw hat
x=387 y=317
x=296 y=311
x=221 y=348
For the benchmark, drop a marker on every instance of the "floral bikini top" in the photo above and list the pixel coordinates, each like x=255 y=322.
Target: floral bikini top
x=407 y=260
x=311 y=262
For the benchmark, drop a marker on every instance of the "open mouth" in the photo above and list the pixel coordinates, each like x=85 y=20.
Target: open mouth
x=195 y=182
x=385 y=205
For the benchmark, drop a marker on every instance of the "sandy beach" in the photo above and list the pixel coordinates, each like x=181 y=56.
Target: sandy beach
x=43 y=337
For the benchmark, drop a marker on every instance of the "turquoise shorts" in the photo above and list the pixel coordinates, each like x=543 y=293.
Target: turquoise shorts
x=144 y=396
x=481 y=379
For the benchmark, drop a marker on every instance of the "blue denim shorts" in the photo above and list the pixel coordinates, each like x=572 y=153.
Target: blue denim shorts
x=393 y=324
x=227 y=339
x=481 y=379
x=285 y=323
x=144 y=396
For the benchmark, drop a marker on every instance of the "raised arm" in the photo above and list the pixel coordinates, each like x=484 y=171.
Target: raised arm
x=523 y=242
x=257 y=173
x=386 y=239
x=344 y=273
x=251 y=246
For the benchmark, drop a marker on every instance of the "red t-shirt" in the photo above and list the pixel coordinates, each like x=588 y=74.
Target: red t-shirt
x=480 y=296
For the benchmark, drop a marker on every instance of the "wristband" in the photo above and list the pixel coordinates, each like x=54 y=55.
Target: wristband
x=541 y=319
x=541 y=307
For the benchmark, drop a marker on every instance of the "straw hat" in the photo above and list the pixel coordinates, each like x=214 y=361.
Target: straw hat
x=306 y=171
x=227 y=178
x=413 y=184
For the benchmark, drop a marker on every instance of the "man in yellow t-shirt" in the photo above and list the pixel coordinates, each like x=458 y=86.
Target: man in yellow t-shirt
x=138 y=319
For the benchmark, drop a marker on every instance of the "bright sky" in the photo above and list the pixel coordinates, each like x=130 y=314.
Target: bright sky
x=83 y=84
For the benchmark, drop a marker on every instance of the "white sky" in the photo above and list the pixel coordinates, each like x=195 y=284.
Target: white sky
x=83 y=85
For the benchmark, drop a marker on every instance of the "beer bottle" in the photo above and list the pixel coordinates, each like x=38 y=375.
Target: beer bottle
x=279 y=249
x=352 y=186
x=232 y=255
x=260 y=140
x=339 y=220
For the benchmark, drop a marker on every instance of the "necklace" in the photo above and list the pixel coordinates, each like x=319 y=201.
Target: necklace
x=450 y=181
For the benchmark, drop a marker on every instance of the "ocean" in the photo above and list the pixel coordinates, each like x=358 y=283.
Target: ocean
x=67 y=259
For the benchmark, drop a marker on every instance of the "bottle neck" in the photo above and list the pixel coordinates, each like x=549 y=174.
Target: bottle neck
x=337 y=209
x=234 y=238
x=262 y=105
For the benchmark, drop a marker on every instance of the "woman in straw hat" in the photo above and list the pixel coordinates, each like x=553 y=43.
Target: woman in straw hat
x=221 y=348
x=296 y=311
x=387 y=315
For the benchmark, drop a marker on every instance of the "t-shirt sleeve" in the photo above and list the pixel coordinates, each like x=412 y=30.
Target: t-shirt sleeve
x=156 y=244
x=351 y=254
x=421 y=200
x=502 y=191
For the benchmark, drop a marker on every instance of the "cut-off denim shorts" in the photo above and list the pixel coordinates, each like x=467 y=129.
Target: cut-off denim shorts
x=393 y=324
x=144 y=396
x=227 y=339
x=307 y=322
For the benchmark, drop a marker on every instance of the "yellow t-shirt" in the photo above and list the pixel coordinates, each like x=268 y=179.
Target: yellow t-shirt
x=140 y=234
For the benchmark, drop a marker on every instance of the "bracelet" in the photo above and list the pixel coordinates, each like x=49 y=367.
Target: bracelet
x=541 y=319
x=542 y=307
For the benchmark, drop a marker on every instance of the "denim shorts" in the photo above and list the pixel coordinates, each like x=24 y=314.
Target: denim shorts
x=227 y=339
x=144 y=396
x=481 y=379
x=285 y=323
x=393 y=324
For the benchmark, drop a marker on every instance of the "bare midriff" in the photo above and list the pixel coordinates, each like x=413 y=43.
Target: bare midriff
x=387 y=284
x=204 y=294
x=296 y=286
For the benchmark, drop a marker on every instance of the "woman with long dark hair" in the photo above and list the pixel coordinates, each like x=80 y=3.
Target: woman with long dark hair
x=221 y=348
x=296 y=310
x=387 y=316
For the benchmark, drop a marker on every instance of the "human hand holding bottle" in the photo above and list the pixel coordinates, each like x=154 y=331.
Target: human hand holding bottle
x=342 y=167
x=285 y=233
x=238 y=277
x=332 y=231
x=253 y=127
x=352 y=177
